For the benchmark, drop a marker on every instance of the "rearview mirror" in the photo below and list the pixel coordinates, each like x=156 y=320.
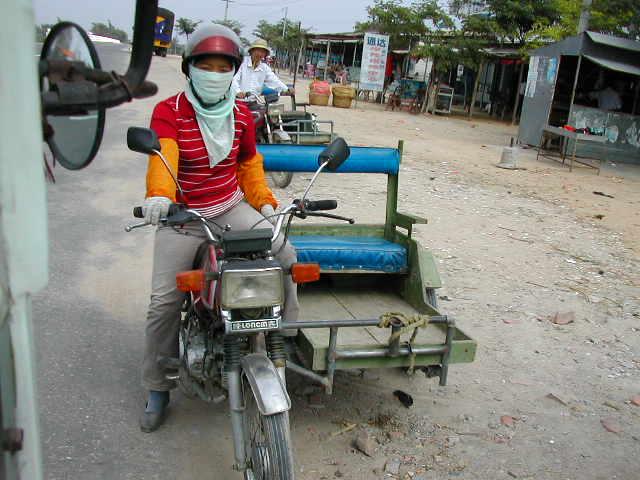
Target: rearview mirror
x=142 y=140
x=74 y=139
x=336 y=153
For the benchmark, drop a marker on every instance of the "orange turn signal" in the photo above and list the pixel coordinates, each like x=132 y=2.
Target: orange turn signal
x=305 y=272
x=190 y=281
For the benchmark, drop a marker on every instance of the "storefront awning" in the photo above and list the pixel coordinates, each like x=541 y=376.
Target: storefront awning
x=617 y=42
x=615 y=65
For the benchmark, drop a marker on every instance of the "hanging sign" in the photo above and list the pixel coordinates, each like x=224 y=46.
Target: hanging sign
x=374 y=61
x=532 y=77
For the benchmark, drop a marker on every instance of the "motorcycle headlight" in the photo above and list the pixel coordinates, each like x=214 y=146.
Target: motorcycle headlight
x=251 y=288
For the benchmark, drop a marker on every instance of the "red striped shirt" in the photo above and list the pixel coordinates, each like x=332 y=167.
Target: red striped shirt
x=211 y=191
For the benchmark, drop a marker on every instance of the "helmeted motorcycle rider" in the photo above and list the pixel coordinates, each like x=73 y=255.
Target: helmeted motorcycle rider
x=208 y=140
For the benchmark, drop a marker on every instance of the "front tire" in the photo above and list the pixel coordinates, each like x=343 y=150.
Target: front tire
x=267 y=442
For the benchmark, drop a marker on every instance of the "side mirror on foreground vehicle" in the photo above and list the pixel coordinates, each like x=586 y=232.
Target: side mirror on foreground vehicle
x=75 y=91
x=74 y=138
x=335 y=153
x=142 y=140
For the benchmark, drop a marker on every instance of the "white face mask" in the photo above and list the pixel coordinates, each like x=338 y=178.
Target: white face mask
x=211 y=87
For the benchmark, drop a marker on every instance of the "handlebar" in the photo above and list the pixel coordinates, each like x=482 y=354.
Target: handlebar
x=173 y=209
x=317 y=205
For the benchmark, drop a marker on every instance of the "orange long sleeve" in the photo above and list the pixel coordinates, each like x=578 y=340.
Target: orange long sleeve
x=254 y=184
x=159 y=181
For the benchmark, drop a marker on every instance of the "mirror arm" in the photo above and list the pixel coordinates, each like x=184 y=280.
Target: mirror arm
x=320 y=168
x=166 y=165
x=142 y=51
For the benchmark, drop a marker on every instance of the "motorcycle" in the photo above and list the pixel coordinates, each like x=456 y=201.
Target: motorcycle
x=270 y=128
x=231 y=337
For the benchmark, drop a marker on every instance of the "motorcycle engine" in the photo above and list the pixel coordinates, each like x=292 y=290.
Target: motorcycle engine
x=194 y=354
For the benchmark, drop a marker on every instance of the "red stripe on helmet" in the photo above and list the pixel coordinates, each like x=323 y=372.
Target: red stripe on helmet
x=216 y=45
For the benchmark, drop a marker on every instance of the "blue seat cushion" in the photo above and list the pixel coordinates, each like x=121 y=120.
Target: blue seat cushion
x=351 y=253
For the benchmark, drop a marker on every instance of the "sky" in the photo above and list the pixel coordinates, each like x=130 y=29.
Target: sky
x=320 y=16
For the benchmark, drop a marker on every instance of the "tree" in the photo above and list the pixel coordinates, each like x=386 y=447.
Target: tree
x=272 y=33
x=236 y=26
x=615 y=17
x=109 y=30
x=450 y=43
x=515 y=19
x=403 y=24
x=187 y=27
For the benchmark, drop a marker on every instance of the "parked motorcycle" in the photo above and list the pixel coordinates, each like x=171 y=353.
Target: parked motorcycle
x=231 y=331
x=267 y=118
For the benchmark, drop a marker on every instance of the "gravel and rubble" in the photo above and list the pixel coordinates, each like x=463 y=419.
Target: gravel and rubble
x=552 y=296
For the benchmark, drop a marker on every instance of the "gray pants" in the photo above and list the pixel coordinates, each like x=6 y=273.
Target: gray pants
x=174 y=252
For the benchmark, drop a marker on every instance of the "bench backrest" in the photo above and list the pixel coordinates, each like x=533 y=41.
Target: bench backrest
x=304 y=158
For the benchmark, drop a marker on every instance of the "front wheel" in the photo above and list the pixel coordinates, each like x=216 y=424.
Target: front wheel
x=281 y=179
x=267 y=442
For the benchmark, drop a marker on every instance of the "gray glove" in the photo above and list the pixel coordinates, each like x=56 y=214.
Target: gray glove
x=155 y=208
x=268 y=212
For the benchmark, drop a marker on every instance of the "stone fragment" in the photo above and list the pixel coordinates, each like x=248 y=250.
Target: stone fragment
x=392 y=466
x=365 y=443
x=611 y=425
x=563 y=318
x=507 y=420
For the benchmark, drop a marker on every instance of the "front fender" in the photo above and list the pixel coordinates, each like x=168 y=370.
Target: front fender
x=267 y=386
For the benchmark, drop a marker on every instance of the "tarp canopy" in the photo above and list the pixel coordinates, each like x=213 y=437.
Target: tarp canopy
x=614 y=53
x=614 y=65
x=617 y=42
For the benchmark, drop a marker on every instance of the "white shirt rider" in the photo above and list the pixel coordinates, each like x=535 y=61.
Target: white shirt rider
x=608 y=99
x=254 y=74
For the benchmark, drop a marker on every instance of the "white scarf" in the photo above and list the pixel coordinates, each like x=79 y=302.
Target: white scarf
x=215 y=118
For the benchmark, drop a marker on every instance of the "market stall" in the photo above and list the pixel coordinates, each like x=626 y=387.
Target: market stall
x=590 y=83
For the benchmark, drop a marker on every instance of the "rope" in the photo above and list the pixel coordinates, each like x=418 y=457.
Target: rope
x=409 y=322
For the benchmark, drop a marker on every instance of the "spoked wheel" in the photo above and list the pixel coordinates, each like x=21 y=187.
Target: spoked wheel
x=281 y=179
x=267 y=442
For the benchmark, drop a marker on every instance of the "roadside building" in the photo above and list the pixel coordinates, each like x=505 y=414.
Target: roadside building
x=589 y=81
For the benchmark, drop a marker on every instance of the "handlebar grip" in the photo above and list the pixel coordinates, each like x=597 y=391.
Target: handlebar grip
x=173 y=209
x=316 y=205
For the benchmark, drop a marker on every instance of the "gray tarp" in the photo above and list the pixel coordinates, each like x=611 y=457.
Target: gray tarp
x=614 y=65
x=617 y=42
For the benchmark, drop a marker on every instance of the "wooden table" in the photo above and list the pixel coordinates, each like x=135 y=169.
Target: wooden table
x=565 y=136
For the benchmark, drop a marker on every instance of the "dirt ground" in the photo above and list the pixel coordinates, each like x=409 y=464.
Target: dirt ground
x=514 y=248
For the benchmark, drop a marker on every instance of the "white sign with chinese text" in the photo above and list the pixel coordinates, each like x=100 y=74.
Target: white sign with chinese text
x=374 y=61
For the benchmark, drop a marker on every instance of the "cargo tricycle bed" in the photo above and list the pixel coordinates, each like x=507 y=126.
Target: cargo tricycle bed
x=375 y=305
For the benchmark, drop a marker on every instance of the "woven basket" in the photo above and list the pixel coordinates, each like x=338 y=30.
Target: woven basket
x=341 y=101
x=343 y=91
x=317 y=99
x=342 y=96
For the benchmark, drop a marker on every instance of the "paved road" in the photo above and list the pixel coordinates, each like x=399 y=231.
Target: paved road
x=89 y=322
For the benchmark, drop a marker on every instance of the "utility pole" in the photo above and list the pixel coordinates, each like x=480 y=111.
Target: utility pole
x=284 y=24
x=226 y=9
x=585 y=13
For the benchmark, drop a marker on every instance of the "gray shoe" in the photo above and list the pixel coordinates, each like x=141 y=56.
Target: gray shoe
x=155 y=412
